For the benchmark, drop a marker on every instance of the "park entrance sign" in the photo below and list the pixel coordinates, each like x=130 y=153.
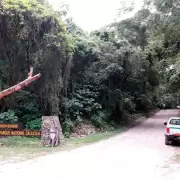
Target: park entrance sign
x=51 y=131
x=19 y=133
x=16 y=130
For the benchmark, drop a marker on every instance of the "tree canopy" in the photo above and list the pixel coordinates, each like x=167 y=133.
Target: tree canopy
x=125 y=68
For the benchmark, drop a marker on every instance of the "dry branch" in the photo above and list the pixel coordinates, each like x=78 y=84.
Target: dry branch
x=20 y=85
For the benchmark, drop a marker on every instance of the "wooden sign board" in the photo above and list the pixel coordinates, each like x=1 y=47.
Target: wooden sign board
x=10 y=126
x=19 y=133
x=7 y=129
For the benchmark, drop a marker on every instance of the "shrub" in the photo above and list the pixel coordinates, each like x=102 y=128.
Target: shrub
x=100 y=119
x=34 y=124
x=8 y=117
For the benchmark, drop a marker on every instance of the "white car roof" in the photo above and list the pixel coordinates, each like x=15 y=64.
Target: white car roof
x=174 y=118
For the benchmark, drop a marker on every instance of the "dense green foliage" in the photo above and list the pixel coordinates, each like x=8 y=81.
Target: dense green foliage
x=106 y=76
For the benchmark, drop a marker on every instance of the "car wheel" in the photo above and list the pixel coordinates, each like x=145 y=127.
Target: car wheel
x=166 y=141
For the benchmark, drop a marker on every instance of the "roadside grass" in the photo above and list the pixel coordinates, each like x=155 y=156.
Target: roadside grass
x=177 y=158
x=94 y=137
x=13 y=149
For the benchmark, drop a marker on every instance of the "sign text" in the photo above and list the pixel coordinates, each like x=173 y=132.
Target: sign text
x=19 y=133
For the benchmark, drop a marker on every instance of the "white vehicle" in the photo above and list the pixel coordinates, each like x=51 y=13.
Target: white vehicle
x=172 y=132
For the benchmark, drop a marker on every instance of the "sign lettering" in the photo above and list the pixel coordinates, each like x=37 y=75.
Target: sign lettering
x=5 y=133
x=10 y=126
x=17 y=133
x=20 y=133
x=32 y=133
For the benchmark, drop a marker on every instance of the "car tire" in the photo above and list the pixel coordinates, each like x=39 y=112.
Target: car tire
x=166 y=141
x=173 y=142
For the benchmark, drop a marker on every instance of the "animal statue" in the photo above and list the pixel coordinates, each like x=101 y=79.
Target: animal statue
x=53 y=135
x=51 y=132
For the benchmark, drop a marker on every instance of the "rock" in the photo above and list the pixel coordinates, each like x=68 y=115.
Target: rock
x=47 y=123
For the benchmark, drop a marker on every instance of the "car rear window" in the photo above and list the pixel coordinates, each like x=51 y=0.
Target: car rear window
x=175 y=121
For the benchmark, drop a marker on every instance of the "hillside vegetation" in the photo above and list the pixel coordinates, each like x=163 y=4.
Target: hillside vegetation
x=106 y=77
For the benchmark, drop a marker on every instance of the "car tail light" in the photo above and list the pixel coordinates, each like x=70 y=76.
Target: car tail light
x=167 y=130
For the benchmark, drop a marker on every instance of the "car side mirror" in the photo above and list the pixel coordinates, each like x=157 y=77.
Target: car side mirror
x=165 y=123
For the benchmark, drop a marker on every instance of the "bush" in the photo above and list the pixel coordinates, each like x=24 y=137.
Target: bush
x=169 y=100
x=129 y=105
x=81 y=103
x=144 y=103
x=67 y=126
x=34 y=124
x=100 y=119
x=28 y=110
x=8 y=117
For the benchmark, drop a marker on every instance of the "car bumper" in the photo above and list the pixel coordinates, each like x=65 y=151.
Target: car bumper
x=171 y=137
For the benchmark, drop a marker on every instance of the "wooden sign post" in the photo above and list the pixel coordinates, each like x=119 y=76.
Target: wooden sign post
x=51 y=132
x=8 y=130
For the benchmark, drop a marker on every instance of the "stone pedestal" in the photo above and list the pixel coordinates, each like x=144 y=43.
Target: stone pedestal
x=49 y=122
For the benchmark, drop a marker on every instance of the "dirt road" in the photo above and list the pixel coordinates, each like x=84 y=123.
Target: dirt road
x=138 y=154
